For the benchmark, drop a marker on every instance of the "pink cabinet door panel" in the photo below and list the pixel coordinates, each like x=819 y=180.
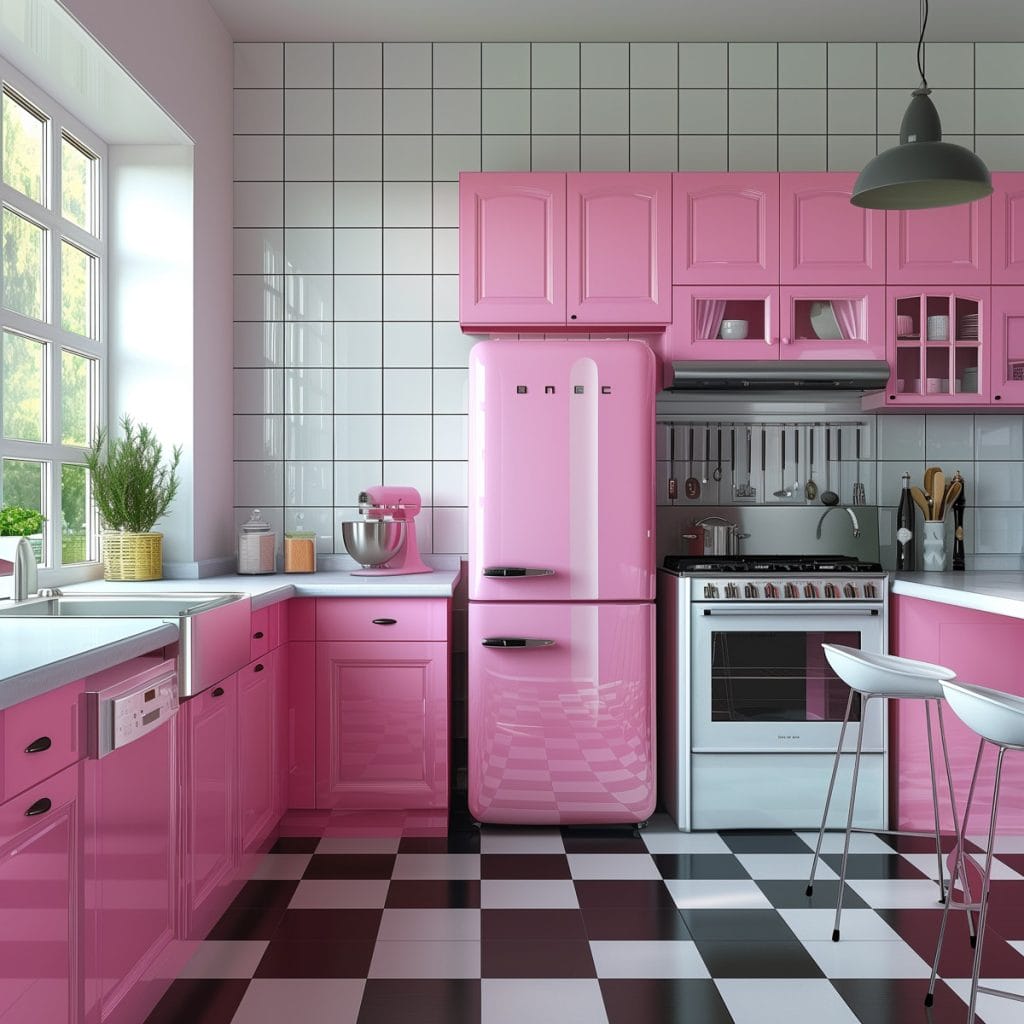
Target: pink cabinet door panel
x=1006 y=327
x=268 y=628
x=301 y=725
x=824 y=238
x=725 y=228
x=381 y=618
x=259 y=743
x=699 y=312
x=41 y=736
x=511 y=249
x=950 y=245
x=1008 y=228
x=833 y=323
x=561 y=734
x=40 y=858
x=563 y=441
x=382 y=725
x=619 y=249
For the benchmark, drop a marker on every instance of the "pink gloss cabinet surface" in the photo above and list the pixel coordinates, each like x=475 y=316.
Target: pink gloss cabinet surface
x=725 y=228
x=983 y=649
x=1006 y=328
x=1008 y=228
x=561 y=449
x=564 y=733
x=950 y=245
x=40 y=863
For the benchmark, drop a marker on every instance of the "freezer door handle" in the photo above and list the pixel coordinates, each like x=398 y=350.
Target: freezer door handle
x=515 y=572
x=515 y=641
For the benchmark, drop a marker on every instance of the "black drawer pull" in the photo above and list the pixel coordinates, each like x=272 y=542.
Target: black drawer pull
x=39 y=745
x=258 y=668
x=39 y=807
x=258 y=635
x=219 y=692
x=385 y=622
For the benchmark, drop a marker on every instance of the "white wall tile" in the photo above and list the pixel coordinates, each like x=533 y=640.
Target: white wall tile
x=703 y=153
x=407 y=437
x=450 y=437
x=851 y=111
x=258 y=111
x=1000 y=111
x=506 y=111
x=802 y=65
x=308 y=111
x=309 y=343
x=257 y=297
x=407 y=344
x=850 y=152
x=358 y=391
x=999 y=65
x=259 y=344
x=451 y=346
x=259 y=391
x=308 y=158
x=411 y=474
x=451 y=394
x=555 y=65
x=318 y=520
x=703 y=111
x=654 y=110
x=457 y=111
x=259 y=437
x=258 y=65
x=357 y=437
x=653 y=65
x=753 y=65
x=802 y=153
x=308 y=390
x=258 y=157
x=996 y=483
x=407 y=65
x=358 y=344
x=555 y=111
x=653 y=153
x=506 y=65
x=407 y=111
x=752 y=111
x=999 y=438
x=851 y=65
x=451 y=532
x=358 y=158
x=258 y=204
x=897 y=66
x=259 y=483
x=358 y=297
x=604 y=65
x=258 y=250
x=802 y=111
x=1001 y=152
x=901 y=437
x=455 y=153
x=406 y=251
x=308 y=483
x=407 y=158
x=450 y=483
x=308 y=297
x=407 y=204
x=998 y=530
x=949 y=438
x=446 y=296
x=604 y=153
x=308 y=437
x=446 y=251
x=890 y=477
x=358 y=111
x=308 y=250
x=703 y=65
x=456 y=65
x=308 y=204
x=358 y=250
x=753 y=153
x=353 y=476
x=555 y=153
x=604 y=111
x=407 y=391
x=446 y=204
x=308 y=65
x=506 y=153
x=407 y=296
x=358 y=64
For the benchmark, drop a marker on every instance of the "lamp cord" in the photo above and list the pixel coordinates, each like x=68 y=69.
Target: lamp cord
x=920 y=43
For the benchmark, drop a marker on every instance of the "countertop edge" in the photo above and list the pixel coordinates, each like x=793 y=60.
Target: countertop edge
x=965 y=595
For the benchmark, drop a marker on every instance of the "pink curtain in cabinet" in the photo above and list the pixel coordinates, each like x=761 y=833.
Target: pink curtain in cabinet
x=847 y=313
x=709 y=317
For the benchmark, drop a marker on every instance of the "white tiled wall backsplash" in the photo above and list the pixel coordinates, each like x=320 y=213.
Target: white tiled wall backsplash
x=350 y=365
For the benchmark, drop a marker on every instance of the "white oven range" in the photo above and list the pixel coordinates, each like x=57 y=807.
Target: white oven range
x=749 y=710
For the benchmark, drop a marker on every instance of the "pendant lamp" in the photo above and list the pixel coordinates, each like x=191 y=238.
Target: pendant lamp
x=922 y=171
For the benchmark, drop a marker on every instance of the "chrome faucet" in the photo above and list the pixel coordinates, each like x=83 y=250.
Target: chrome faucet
x=849 y=511
x=22 y=581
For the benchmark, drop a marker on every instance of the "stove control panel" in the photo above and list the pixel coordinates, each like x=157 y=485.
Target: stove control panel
x=802 y=589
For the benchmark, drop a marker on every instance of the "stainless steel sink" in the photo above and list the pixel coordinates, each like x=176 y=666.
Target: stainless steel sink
x=213 y=628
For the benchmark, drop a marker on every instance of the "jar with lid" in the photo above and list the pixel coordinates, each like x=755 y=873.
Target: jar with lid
x=257 y=547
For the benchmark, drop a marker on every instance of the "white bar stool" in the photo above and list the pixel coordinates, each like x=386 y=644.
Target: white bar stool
x=998 y=718
x=873 y=676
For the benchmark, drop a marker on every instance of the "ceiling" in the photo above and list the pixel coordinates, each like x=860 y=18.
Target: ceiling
x=617 y=20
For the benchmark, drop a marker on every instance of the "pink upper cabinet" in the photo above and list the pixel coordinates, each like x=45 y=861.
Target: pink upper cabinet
x=1006 y=365
x=511 y=249
x=1008 y=228
x=824 y=238
x=950 y=245
x=725 y=228
x=618 y=228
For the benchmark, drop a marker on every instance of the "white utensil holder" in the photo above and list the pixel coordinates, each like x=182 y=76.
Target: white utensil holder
x=934 y=546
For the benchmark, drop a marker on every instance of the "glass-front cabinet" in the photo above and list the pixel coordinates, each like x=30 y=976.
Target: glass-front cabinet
x=827 y=322
x=1006 y=377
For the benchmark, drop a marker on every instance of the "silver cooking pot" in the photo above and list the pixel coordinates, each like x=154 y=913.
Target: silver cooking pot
x=714 y=536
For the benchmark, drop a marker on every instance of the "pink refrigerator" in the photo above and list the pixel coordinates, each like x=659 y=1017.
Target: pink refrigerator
x=561 y=582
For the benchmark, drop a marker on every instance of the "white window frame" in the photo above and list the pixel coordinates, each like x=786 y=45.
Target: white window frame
x=51 y=451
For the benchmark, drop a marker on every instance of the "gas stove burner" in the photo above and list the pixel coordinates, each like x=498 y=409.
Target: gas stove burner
x=736 y=564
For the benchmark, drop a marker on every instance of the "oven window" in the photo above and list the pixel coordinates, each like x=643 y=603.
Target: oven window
x=778 y=677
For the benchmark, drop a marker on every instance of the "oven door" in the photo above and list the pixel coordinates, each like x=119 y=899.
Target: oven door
x=760 y=682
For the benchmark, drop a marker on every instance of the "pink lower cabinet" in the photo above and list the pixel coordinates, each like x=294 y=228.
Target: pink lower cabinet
x=40 y=860
x=381 y=725
x=982 y=649
x=209 y=785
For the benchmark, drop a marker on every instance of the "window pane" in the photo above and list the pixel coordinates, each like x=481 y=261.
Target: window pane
x=24 y=387
x=23 y=148
x=23 y=265
x=74 y=538
x=76 y=177
x=21 y=483
x=76 y=398
x=76 y=292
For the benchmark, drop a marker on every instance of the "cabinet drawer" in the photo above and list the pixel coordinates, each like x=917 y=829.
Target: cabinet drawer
x=43 y=799
x=266 y=631
x=381 y=618
x=40 y=737
x=265 y=664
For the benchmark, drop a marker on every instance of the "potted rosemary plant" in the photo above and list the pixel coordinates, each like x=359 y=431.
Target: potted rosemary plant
x=133 y=487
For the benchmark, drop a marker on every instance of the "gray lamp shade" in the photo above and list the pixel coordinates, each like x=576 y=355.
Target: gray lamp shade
x=922 y=171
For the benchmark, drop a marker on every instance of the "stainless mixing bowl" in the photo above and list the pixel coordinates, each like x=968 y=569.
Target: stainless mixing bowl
x=373 y=541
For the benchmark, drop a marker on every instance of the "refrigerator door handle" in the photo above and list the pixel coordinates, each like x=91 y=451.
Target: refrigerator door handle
x=515 y=572
x=515 y=641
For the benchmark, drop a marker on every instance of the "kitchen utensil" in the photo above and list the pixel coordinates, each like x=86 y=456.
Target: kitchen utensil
x=744 y=492
x=707 y=454
x=717 y=475
x=859 y=498
x=810 y=488
x=257 y=546
x=828 y=496
x=937 y=328
x=929 y=475
x=796 y=459
x=721 y=537
x=938 y=494
x=673 y=483
x=824 y=323
x=783 y=491
x=764 y=459
x=953 y=491
x=733 y=330
x=958 y=501
x=922 y=501
x=904 y=326
x=691 y=488
x=370 y=541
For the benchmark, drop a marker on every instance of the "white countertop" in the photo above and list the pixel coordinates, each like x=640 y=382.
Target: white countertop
x=998 y=592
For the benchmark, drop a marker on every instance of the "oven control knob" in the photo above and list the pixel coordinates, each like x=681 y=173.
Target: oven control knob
x=731 y=590
x=869 y=590
x=750 y=590
x=791 y=591
x=710 y=590
x=810 y=590
x=849 y=590
x=830 y=590
x=771 y=591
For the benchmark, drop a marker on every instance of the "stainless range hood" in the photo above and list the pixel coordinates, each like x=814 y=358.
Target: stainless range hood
x=780 y=375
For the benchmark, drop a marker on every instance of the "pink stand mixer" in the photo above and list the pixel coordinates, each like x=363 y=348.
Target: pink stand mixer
x=384 y=541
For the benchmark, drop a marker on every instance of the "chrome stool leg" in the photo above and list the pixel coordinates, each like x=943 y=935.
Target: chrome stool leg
x=935 y=797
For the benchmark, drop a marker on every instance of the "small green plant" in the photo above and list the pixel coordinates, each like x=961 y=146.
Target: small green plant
x=16 y=521
x=131 y=484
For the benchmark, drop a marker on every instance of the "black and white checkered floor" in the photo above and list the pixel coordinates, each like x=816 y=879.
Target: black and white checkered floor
x=499 y=925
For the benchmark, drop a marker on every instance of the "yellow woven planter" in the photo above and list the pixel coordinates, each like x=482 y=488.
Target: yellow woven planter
x=132 y=556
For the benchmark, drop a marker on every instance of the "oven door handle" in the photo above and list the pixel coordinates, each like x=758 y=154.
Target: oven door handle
x=825 y=609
